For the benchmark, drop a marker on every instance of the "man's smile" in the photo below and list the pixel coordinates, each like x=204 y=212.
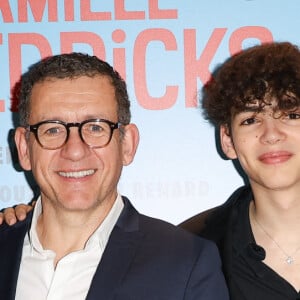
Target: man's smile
x=77 y=174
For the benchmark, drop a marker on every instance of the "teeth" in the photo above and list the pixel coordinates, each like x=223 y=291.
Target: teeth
x=77 y=174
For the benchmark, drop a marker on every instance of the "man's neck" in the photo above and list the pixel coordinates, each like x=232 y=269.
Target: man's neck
x=67 y=231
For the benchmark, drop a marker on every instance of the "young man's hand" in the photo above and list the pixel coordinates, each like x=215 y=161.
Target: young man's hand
x=11 y=215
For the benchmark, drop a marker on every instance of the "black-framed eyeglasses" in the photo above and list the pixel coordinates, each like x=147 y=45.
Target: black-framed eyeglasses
x=53 y=134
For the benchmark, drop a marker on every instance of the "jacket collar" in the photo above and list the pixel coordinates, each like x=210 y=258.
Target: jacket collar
x=118 y=255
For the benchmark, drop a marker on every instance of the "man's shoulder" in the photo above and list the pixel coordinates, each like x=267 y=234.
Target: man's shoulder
x=167 y=256
x=176 y=239
x=215 y=220
x=197 y=223
x=162 y=227
x=155 y=230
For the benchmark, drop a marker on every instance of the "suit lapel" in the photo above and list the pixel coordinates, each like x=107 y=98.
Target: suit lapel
x=118 y=255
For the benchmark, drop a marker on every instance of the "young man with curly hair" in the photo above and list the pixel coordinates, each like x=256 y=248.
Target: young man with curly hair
x=254 y=102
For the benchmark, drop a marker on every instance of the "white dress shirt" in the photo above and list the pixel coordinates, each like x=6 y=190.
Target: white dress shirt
x=73 y=274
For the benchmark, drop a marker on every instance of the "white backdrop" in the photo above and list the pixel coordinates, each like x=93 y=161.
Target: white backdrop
x=166 y=50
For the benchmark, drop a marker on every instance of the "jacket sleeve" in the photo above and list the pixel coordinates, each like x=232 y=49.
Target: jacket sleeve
x=206 y=279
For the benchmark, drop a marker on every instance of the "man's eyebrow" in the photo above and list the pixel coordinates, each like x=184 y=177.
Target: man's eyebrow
x=254 y=109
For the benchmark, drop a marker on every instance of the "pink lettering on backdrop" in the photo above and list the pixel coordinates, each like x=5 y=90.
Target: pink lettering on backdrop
x=198 y=68
x=37 y=9
x=15 y=42
x=6 y=11
x=238 y=36
x=67 y=40
x=122 y=14
x=2 y=108
x=139 y=69
x=69 y=10
x=156 y=13
x=119 y=54
x=87 y=14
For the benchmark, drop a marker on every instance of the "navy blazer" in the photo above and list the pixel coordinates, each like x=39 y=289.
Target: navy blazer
x=145 y=258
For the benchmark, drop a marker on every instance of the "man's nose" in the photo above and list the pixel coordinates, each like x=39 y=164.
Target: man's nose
x=272 y=132
x=75 y=148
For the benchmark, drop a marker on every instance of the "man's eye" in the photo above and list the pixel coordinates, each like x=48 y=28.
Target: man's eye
x=53 y=131
x=248 y=121
x=293 y=115
x=95 y=128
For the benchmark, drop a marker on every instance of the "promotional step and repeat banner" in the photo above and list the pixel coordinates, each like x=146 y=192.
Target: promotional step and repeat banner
x=165 y=50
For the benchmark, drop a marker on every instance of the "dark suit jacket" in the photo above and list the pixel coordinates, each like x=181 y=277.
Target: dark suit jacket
x=145 y=258
x=217 y=224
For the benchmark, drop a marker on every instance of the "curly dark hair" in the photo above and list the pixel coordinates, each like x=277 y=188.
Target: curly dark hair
x=261 y=73
x=72 y=65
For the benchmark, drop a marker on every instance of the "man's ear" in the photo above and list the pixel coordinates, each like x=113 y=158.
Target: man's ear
x=22 y=146
x=227 y=143
x=130 y=142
